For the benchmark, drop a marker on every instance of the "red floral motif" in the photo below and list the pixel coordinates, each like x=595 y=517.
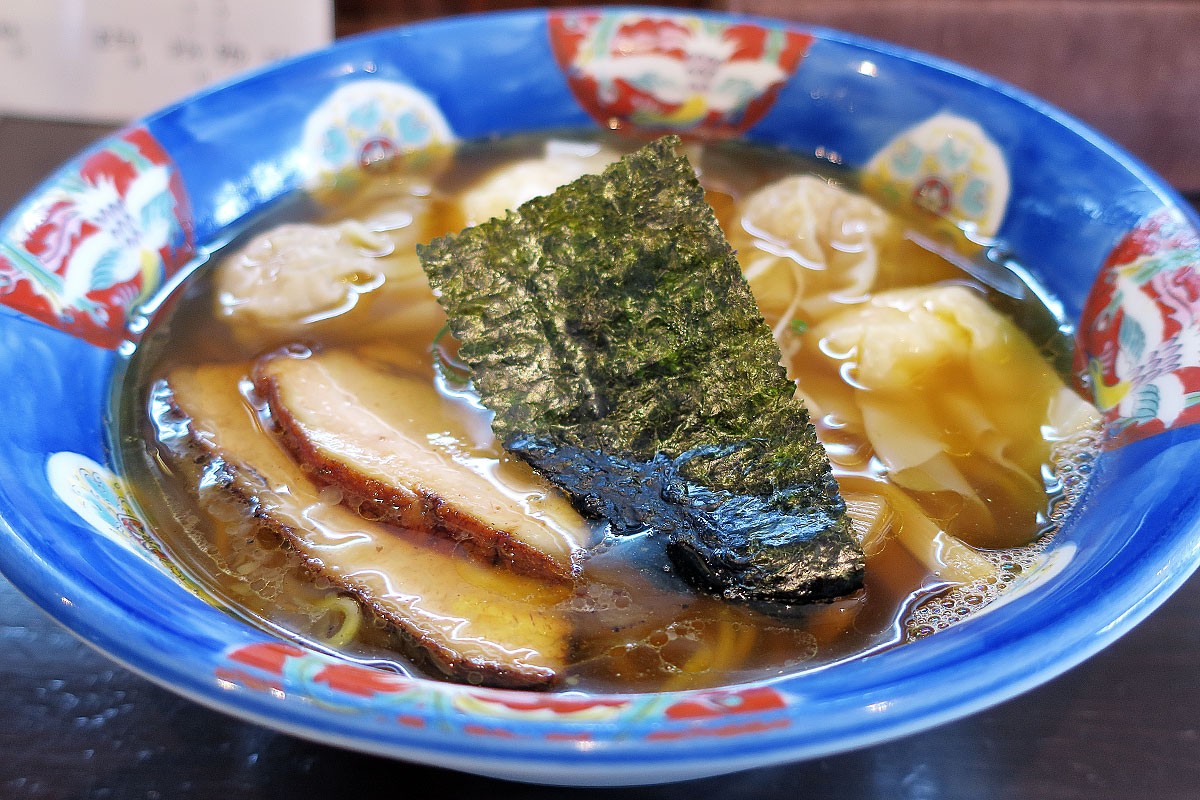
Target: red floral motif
x=735 y=729
x=1139 y=354
x=360 y=681
x=273 y=658
x=674 y=72
x=557 y=704
x=495 y=733
x=266 y=660
x=281 y=667
x=267 y=656
x=719 y=703
x=1158 y=232
x=933 y=195
x=97 y=242
x=249 y=680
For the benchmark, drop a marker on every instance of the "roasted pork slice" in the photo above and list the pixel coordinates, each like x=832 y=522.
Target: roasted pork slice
x=477 y=624
x=402 y=452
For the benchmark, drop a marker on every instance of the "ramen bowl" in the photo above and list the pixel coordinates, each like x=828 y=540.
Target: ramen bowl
x=86 y=259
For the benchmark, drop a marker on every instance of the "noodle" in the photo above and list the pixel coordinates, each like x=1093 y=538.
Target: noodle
x=351 y=616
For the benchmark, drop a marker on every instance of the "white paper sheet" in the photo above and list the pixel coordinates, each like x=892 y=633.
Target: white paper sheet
x=115 y=60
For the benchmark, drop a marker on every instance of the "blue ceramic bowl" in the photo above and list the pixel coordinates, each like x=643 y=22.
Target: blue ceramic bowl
x=116 y=225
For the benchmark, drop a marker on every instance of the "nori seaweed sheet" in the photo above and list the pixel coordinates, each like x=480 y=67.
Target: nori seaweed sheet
x=609 y=328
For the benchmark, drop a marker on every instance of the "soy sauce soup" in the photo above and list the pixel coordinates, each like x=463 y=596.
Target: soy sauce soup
x=850 y=285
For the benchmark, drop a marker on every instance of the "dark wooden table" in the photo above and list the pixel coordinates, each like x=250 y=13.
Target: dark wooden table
x=1125 y=724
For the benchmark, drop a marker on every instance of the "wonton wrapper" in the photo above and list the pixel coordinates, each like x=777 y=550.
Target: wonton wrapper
x=952 y=396
x=807 y=247
x=349 y=281
x=514 y=184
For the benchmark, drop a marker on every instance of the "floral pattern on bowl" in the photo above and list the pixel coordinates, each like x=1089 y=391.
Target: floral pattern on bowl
x=672 y=72
x=367 y=122
x=99 y=241
x=946 y=167
x=279 y=668
x=1141 y=330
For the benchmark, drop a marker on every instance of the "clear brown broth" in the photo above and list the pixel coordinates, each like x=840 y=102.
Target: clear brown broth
x=638 y=627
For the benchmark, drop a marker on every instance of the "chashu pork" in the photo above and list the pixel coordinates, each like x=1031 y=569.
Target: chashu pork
x=367 y=431
x=477 y=624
